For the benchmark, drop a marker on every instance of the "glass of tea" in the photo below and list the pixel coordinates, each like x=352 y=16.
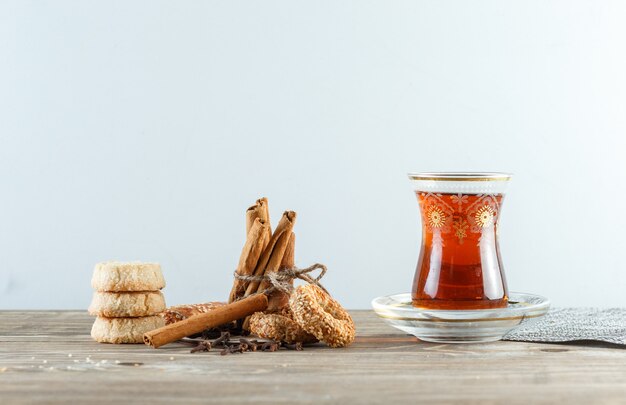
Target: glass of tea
x=459 y=265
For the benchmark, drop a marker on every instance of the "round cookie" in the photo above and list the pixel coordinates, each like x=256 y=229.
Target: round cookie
x=124 y=330
x=131 y=276
x=279 y=327
x=322 y=316
x=127 y=304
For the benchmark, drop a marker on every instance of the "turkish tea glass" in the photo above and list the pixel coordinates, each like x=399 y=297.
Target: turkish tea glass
x=459 y=265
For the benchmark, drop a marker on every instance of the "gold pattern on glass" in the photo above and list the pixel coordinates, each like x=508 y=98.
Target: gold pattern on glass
x=460 y=226
x=484 y=216
x=436 y=217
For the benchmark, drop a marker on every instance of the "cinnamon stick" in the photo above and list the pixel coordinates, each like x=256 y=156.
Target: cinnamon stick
x=260 y=210
x=278 y=299
x=256 y=242
x=272 y=256
x=198 y=323
x=275 y=249
x=276 y=258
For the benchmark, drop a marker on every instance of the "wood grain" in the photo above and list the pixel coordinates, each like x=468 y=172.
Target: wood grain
x=383 y=366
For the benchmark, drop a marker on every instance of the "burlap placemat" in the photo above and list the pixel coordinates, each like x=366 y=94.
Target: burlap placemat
x=571 y=324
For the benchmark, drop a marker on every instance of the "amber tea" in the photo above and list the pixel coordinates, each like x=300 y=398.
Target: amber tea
x=459 y=266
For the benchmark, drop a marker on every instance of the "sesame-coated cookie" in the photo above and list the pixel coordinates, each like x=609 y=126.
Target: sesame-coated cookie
x=322 y=316
x=127 y=304
x=124 y=330
x=131 y=276
x=279 y=327
x=178 y=313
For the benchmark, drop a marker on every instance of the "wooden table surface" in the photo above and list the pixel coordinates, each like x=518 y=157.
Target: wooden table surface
x=48 y=357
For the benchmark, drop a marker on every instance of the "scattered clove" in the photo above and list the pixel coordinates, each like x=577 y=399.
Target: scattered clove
x=295 y=346
x=229 y=349
x=270 y=346
x=251 y=344
x=203 y=346
x=243 y=345
x=222 y=340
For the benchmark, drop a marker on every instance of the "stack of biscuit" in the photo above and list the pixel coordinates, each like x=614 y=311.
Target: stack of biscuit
x=127 y=301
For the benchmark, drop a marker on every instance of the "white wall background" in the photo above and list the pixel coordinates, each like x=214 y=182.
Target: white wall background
x=143 y=130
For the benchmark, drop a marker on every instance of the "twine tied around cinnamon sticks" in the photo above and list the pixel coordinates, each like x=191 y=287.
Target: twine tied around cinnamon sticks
x=281 y=280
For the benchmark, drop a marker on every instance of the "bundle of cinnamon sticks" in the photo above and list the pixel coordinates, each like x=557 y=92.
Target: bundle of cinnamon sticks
x=263 y=252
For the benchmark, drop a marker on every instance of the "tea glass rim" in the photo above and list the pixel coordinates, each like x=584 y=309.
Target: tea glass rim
x=460 y=176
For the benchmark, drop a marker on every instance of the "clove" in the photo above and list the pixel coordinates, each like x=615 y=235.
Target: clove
x=222 y=340
x=230 y=349
x=251 y=344
x=203 y=346
x=295 y=346
x=270 y=346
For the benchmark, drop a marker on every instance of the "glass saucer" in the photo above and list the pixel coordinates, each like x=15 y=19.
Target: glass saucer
x=462 y=326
